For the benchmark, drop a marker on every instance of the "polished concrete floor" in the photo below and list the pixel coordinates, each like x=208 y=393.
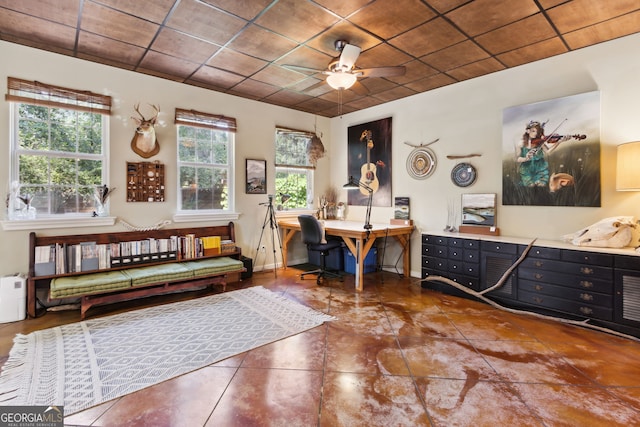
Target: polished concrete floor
x=396 y=355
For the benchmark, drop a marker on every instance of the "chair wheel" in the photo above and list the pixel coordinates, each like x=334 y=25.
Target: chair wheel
x=319 y=281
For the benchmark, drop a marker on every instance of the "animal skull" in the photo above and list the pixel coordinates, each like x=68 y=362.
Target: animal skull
x=144 y=141
x=613 y=232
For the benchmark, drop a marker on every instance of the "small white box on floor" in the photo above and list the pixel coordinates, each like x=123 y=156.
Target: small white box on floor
x=13 y=298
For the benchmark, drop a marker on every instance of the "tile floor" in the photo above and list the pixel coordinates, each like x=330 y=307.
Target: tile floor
x=397 y=355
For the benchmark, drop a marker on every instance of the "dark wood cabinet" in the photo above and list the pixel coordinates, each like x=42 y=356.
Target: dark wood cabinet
x=453 y=258
x=573 y=282
x=600 y=285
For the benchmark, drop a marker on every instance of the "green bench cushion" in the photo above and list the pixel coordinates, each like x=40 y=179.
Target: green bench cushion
x=62 y=287
x=205 y=267
x=107 y=281
x=158 y=274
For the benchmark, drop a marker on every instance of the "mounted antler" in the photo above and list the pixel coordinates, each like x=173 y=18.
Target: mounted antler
x=144 y=141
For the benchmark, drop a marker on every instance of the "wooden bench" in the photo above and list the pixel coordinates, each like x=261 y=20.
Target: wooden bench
x=129 y=276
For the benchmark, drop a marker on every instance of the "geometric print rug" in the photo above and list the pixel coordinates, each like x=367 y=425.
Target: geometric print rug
x=83 y=364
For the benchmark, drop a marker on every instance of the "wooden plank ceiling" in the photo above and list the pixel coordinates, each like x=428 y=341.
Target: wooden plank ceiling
x=239 y=46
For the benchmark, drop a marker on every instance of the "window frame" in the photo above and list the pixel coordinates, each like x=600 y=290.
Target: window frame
x=308 y=167
x=215 y=123
x=20 y=92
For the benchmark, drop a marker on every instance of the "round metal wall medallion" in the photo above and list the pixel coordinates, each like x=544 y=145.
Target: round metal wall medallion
x=463 y=174
x=421 y=163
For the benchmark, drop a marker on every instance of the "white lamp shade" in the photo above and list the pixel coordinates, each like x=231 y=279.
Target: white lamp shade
x=341 y=80
x=628 y=167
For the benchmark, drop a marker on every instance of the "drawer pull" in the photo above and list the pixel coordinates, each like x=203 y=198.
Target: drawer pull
x=586 y=297
x=539 y=263
x=586 y=310
x=538 y=276
x=538 y=300
x=586 y=284
x=586 y=270
x=538 y=287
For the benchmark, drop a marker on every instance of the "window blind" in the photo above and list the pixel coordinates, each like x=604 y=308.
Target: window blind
x=205 y=120
x=34 y=92
x=292 y=148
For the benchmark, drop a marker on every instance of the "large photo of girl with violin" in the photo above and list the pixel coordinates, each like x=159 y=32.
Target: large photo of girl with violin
x=551 y=152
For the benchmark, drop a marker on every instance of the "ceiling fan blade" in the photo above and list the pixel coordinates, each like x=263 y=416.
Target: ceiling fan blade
x=383 y=71
x=302 y=69
x=348 y=57
x=359 y=89
x=314 y=86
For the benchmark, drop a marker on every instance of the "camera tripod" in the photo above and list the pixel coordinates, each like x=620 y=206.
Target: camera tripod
x=270 y=218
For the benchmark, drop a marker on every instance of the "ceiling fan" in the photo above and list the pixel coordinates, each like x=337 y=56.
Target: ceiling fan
x=342 y=72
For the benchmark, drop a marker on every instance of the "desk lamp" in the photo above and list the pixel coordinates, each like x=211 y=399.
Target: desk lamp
x=354 y=185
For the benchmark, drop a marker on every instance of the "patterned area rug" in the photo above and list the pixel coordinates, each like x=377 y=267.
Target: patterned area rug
x=83 y=364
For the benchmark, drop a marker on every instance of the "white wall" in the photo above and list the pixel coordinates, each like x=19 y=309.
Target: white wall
x=467 y=117
x=254 y=139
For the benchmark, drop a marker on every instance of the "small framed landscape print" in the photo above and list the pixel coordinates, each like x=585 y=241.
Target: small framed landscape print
x=479 y=209
x=256 y=177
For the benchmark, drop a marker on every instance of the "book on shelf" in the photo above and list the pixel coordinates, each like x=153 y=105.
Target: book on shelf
x=45 y=260
x=63 y=258
x=227 y=246
x=211 y=245
x=89 y=256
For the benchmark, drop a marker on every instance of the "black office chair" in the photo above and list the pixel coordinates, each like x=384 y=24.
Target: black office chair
x=312 y=236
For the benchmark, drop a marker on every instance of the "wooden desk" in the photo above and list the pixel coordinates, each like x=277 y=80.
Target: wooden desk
x=355 y=237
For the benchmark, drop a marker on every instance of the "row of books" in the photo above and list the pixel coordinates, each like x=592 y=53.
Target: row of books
x=88 y=256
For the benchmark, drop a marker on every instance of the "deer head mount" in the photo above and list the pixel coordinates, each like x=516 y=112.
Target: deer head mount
x=144 y=142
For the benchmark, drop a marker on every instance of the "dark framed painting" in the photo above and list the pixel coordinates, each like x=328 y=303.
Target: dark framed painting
x=551 y=152
x=256 y=176
x=369 y=161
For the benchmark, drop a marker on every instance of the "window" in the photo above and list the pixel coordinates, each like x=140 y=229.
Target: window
x=294 y=172
x=59 y=148
x=205 y=161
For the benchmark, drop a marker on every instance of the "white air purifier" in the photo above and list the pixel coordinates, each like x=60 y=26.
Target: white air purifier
x=13 y=298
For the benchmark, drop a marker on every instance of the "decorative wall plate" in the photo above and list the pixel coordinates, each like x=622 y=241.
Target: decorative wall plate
x=463 y=174
x=421 y=163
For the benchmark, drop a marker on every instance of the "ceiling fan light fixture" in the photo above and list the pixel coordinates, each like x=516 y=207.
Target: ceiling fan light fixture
x=341 y=80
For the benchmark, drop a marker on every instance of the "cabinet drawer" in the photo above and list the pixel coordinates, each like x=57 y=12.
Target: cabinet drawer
x=456 y=253
x=591 y=284
x=455 y=266
x=566 y=306
x=464 y=243
x=577 y=295
x=583 y=270
x=627 y=262
x=434 y=250
x=542 y=252
x=469 y=282
x=428 y=239
x=506 y=248
x=589 y=258
x=434 y=264
x=471 y=255
x=436 y=240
